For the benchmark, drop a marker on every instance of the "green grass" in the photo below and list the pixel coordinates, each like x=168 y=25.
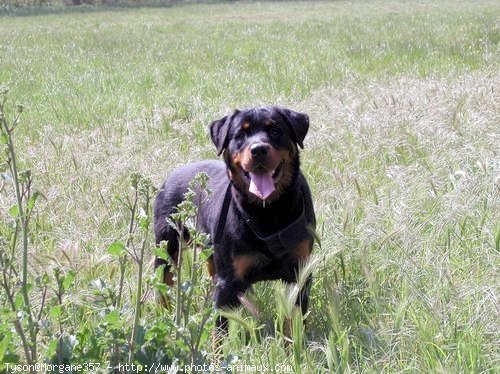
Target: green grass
x=84 y=70
x=402 y=156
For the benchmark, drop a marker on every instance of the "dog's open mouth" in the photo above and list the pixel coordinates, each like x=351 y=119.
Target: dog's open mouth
x=261 y=181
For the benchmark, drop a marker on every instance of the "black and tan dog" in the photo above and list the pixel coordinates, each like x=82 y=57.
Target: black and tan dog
x=260 y=214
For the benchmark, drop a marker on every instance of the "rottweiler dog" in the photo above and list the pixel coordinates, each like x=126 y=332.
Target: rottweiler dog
x=260 y=214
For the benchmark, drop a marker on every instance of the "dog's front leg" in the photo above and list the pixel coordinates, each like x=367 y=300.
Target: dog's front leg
x=302 y=300
x=303 y=297
x=225 y=297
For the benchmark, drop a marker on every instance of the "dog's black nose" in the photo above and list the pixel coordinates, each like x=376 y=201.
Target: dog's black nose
x=259 y=150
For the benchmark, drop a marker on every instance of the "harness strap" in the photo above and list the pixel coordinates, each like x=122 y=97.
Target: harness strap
x=287 y=238
x=221 y=224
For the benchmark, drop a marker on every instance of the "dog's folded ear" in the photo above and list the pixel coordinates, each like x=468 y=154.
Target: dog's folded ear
x=298 y=124
x=219 y=131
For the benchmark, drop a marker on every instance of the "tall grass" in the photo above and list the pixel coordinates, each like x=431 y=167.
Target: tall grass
x=401 y=157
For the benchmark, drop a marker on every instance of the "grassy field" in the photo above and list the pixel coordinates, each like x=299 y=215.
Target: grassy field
x=402 y=159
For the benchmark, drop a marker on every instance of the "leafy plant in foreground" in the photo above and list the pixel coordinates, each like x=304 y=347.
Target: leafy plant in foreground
x=15 y=277
x=34 y=307
x=191 y=298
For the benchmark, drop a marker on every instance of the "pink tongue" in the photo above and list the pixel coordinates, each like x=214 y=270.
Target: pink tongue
x=261 y=185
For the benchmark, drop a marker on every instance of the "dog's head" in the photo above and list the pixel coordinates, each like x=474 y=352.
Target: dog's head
x=260 y=148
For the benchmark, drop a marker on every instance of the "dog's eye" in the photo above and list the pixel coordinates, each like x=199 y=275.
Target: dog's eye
x=240 y=135
x=275 y=131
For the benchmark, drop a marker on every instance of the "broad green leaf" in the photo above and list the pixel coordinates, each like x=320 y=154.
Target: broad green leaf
x=68 y=279
x=19 y=301
x=32 y=200
x=51 y=351
x=206 y=253
x=14 y=211
x=55 y=311
x=116 y=249
x=161 y=253
x=113 y=317
x=4 y=344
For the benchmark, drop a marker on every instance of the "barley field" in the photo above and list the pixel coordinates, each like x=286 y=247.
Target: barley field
x=403 y=160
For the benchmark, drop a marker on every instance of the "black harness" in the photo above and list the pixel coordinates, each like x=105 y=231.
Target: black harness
x=281 y=241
